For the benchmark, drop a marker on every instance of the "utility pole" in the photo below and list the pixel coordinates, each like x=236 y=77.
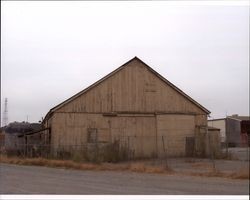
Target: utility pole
x=5 y=112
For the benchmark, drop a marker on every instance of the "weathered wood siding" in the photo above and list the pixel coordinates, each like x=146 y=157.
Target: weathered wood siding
x=213 y=144
x=133 y=89
x=174 y=129
x=221 y=124
x=146 y=108
x=142 y=134
x=137 y=132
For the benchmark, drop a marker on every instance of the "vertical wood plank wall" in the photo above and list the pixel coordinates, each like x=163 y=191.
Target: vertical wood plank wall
x=134 y=90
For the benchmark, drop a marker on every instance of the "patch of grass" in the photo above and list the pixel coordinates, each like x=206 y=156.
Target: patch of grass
x=155 y=169
x=241 y=174
x=137 y=167
x=212 y=173
x=190 y=160
x=134 y=167
x=202 y=165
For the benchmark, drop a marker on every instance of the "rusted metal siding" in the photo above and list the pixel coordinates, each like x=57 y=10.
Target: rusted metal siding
x=233 y=131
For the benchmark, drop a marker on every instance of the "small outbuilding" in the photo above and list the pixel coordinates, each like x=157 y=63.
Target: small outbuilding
x=213 y=144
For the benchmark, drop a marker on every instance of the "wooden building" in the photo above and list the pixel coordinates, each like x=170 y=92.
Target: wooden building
x=134 y=103
x=213 y=143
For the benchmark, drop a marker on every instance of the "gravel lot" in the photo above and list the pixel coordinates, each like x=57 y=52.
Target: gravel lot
x=42 y=180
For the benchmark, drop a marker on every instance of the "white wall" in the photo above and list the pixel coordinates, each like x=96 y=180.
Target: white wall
x=221 y=124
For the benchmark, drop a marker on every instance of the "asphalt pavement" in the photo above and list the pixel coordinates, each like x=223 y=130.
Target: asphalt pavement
x=16 y=179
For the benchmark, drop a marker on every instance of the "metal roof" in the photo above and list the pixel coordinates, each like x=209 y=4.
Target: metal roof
x=234 y=117
x=242 y=118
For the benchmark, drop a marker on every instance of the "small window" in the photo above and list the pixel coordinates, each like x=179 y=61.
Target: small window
x=92 y=135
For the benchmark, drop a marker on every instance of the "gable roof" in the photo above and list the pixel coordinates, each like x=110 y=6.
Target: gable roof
x=117 y=70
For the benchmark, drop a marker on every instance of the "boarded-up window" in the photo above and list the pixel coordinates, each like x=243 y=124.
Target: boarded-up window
x=92 y=135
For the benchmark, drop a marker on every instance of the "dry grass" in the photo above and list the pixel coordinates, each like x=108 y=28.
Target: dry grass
x=133 y=167
x=137 y=167
x=141 y=167
x=212 y=173
x=48 y=163
x=202 y=165
x=241 y=174
x=189 y=160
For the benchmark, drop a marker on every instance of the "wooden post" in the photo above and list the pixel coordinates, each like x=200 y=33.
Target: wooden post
x=156 y=136
x=128 y=149
x=26 y=147
x=211 y=149
x=165 y=151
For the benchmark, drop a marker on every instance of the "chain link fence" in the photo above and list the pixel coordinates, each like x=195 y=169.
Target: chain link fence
x=159 y=151
x=121 y=148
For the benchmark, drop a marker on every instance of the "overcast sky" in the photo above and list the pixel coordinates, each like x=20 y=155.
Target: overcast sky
x=52 y=50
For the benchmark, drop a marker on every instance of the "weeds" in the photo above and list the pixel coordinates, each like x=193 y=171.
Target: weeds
x=216 y=173
x=133 y=167
x=138 y=167
x=241 y=174
x=202 y=165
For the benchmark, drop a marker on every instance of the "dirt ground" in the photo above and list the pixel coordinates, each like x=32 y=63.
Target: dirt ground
x=16 y=179
x=239 y=153
x=203 y=165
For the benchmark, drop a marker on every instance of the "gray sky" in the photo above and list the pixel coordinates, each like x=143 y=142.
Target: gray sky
x=52 y=50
